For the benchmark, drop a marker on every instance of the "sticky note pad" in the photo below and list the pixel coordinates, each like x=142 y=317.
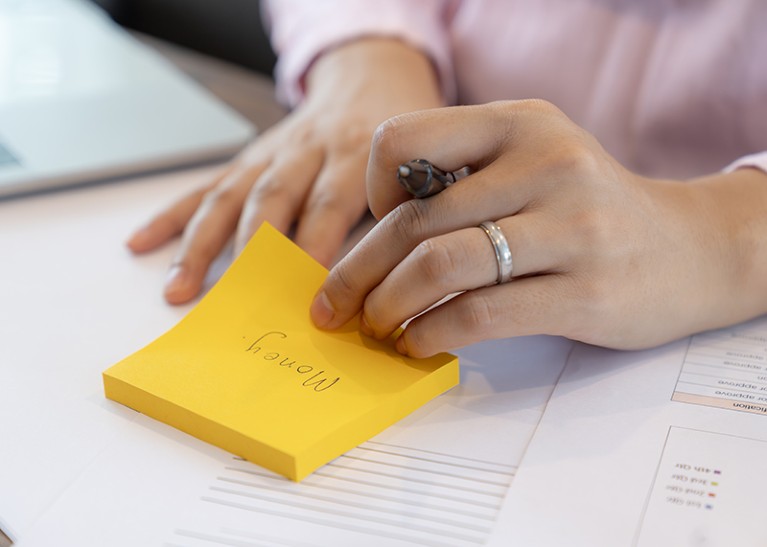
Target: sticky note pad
x=246 y=369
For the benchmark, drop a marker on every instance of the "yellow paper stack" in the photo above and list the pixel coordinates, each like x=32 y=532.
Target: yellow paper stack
x=247 y=371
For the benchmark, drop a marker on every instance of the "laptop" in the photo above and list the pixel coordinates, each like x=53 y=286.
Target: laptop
x=81 y=100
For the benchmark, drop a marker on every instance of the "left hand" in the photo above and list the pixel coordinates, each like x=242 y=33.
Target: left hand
x=307 y=171
x=600 y=254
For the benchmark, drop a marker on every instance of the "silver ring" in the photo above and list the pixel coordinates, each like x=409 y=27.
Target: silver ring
x=502 y=251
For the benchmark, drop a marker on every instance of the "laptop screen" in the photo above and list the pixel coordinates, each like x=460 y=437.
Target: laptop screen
x=83 y=100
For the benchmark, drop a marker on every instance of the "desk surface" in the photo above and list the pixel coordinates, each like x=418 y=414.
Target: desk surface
x=249 y=93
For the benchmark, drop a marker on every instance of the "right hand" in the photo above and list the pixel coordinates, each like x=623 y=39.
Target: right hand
x=601 y=255
x=308 y=170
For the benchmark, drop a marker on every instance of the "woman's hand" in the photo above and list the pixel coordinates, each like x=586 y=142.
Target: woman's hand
x=600 y=254
x=307 y=171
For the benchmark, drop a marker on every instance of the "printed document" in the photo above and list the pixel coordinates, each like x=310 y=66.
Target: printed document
x=666 y=447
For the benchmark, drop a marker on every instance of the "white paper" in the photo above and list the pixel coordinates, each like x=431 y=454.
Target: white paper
x=72 y=300
x=708 y=490
x=617 y=438
x=437 y=478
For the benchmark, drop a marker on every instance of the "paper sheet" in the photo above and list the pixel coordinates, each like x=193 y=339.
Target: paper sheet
x=72 y=303
x=451 y=460
x=620 y=458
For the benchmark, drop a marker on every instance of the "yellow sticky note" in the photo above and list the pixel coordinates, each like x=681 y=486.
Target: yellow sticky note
x=246 y=369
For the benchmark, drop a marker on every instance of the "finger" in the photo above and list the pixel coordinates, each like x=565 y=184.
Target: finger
x=168 y=224
x=534 y=305
x=206 y=234
x=460 y=261
x=450 y=138
x=465 y=204
x=335 y=204
x=278 y=194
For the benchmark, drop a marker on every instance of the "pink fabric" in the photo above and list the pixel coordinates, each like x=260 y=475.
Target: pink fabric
x=673 y=88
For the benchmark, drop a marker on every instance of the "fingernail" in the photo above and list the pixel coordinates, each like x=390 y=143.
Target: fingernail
x=177 y=283
x=400 y=345
x=365 y=326
x=321 y=310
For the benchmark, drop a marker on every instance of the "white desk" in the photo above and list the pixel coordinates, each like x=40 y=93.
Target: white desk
x=63 y=261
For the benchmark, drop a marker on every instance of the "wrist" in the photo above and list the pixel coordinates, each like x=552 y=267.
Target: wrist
x=734 y=208
x=373 y=65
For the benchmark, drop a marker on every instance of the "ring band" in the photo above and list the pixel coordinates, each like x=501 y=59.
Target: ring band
x=501 y=248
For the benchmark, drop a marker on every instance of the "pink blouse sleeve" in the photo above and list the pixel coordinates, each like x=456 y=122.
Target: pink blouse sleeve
x=758 y=160
x=302 y=29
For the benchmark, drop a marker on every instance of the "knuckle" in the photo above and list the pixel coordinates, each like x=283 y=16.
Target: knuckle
x=340 y=286
x=269 y=187
x=577 y=160
x=296 y=129
x=520 y=119
x=420 y=340
x=479 y=316
x=541 y=105
x=222 y=196
x=436 y=262
x=328 y=203
x=352 y=139
x=385 y=133
x=386 y=137
x=410 y=221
